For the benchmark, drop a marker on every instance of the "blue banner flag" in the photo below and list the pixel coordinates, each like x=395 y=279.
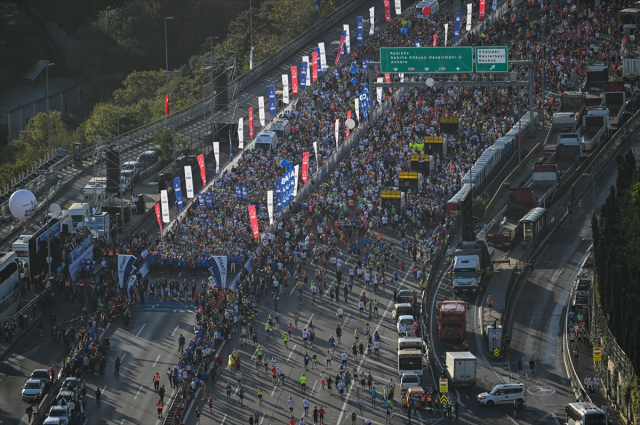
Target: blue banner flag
x=456 y=31
x=201 y=200
x=238 y=190
x=245 y=192
x=360 y=33
x=178 y=191
x=364 y=103
x=278 y=195
x=208 y=199
x=316 y=6
x=272 y=100
x=230 y=147
x=317 y=50
x=303 y=76
x=344 y=45
x=365 y=66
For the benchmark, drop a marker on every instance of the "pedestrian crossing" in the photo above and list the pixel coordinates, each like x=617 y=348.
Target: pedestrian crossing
x=166 y=307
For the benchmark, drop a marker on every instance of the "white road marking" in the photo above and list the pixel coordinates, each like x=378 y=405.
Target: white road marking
x=122 y=358
x=156 y=362
x=314 y=388
x=138 y=393
x=104 y=389
x=138 y=334
x=344 y=324
x=459 y=401
x=174 y=331
x=223 y=419
x=292 y=351
x=511 y=419
x=555 y=418
x=467 y=397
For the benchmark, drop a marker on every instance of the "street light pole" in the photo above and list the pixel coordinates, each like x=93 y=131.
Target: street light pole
x=48 y=118
x=251 y=30
x=166 y=50
x=121 y=190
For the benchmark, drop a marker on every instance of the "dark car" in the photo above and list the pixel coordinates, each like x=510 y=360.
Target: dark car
x=404 y=296
x=148 y=158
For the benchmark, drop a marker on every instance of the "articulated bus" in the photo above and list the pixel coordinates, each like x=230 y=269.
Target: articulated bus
x=585 y=414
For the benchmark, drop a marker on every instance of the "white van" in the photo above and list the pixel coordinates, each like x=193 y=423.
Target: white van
x=78 y=212
x=282 y=127
x=433 y=4
x=503 y=394
x=266 y=141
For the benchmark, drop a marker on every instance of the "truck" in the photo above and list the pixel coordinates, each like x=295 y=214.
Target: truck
x=412 y=355
x=461 y=369
x=561 y=123
x=545 y=180
x=508 y=230
x=597 y=77
x=615 y=101
x=452 y=319
x=596 y=127
x=463 y=284
x=78 y=212
x=95 y=191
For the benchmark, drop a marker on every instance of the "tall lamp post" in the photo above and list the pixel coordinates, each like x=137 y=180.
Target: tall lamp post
x=593 y=187
x=166 y=50
x=46 y=68
x=121 y=189
x=251 y=33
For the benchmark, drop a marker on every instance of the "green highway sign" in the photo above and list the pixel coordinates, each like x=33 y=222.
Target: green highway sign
x=426 y=60
x=492 y=59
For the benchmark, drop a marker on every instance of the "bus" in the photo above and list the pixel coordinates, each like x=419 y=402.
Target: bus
x=9 y=273
x=585 y=414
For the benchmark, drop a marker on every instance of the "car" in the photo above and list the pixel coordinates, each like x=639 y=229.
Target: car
x=148 y=158
x=503 y=394
x=61 y=412
x=404 y=296
x=132 y=166
x=72 y=384
x=66 y=395
x=409 y=380
x=55 y=421
x=407 y=321
x=40 y=374
x=33 y=390
x=401 y=309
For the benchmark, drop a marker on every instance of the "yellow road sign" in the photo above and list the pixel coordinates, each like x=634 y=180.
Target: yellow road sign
x=597 y=354
x=444 y=399
x=444 y=385
x=496 y=352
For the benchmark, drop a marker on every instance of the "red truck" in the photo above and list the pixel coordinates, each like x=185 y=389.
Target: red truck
x=507 y=231
x=452 y=320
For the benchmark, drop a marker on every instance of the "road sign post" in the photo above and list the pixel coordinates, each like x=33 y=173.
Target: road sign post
x=444 y=385
x=597 y=354
x=426 y=60
x=492 y=59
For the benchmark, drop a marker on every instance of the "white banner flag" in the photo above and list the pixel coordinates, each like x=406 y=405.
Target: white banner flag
x=315 y=148
x=469 y=9
x=347 y=38
x=398 y=8
x=308 y=79
x=296 y=172
x=270 y=205
x=357 y=105
x=261 y=110
x=216 y=154
x=337 y=132
x=446 y=33
x=251 y=59
x=379 y=90
x=372 y=18
x=241 y=133
x=188 y=178
x=164 y=204
x=285 y=88
x=323 y=58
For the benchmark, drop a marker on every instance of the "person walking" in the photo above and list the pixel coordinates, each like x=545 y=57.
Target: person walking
x=161 y=392
x=303 y=383
x=159 y=406
x=98 y=395
x=532 y=365
x=118 y=363
x=181 y=342
x=259 y=396
x=156 y=382
x=198 y=413
x=490 y=303
x=519 y=363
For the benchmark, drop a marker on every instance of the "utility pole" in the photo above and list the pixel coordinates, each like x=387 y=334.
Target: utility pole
x=166 y=50
x=121 y=190
x=251 y=33
x=48 y=117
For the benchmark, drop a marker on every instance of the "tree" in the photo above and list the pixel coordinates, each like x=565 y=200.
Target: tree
x=163 y=141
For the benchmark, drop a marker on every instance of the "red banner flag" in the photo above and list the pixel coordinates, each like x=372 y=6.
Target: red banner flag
x=305 y=167
x=166 y=105
x=387 y=79
x=314 y=66
x=294 y=79
x=483 y=4
x=251 y=132
x=340 y=50
x=387 y=11
x=203 y=171
x=435 y=39
x=159 y=216
x=348 y=118
x=254 y=221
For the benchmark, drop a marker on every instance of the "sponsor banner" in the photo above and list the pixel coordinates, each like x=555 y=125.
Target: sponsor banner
x=164 y=203
x=75 y=267
x=254 y=221
x=359 y=32
x=241 y=133
x=357 y=107
x=178 y=192
x=323 y=57
x=278 y=191
x=294 y=80
x=188 y=178
x=272 y=100
x=125 y=268
x=347 y=129
x=315 y=148
x=483 y=5
x=337 y=131
x=305 y=167
x=201 y=200
x=166 y=105
x=159 y=216
x=261 y=113
x=218 y=270
x=285 y=88
x=203 y=170
x=251 y=128
x=296 y=171
x=216 y=155
x=446 y=33
x=303 y=75
x=387 y=11
x=340 y=54
x=398 y=7
x=347 y=38
x=270 y=205
x=208 y=200
x=469 y=14
x=456 y=28
x=307 y=80
x=314 y=65
x=372 y=19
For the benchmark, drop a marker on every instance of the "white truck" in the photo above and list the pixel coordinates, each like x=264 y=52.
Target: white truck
x=461 y=369
x=266 y=141
x=596 y=126
x=467 y=274
x=412 y=355
x=561 y=131
x=95 y=191
x=78 y=212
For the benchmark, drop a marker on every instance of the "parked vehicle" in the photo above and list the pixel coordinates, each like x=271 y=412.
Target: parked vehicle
x=408 y=322
x=503 y=394
x=452 y=320
x=148 y=158
x=400 y=309
x=409 y=380
x=461 y=369
x=33 y=390
x=474 y=263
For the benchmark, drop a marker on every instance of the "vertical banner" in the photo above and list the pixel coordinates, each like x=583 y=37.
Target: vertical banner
x=357 y=106
x=456 y=28
x=339 y=55
x=251 y=128
x=387 y=79
x=296 y=171
x=203 y=170
x=159 y=216
x=494 y=6
x=398 y=7
x=337 y=132
x=251 y=59
x=272 y=100
x=188 y=179
x=216 y=154
x=446 y=32
x=315 y=148
x=278 y=191
x=304 y=74
x=294 y=80
x=347 y=38
x=317 y=50
x=305 y=167
x=125 y=268
x=343 y=43
x=314 y=65
x=435 y=39
x=178 y=192
x=261 y=113
x=208 y=199
x=387 y=11
x=372 y=20
x=218 y=270
x=285 y=88
x=379 y=91
x=364 y=101
x=270 y=205
x=348 y=118
x=164 y=203
x=483 y=5
x=201 y=200
x=323 y=57
x=254 y=221
x=230 y=147
x=307 y=81
x=166 y=105
x=360 y=31
x=241 y=133
x=469 y=12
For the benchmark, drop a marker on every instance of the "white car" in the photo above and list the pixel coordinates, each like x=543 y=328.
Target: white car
x=409 y=380
x=55 y=421
x=406 y=321
x=60 y=412
x=503 y=394
x=33 y=390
